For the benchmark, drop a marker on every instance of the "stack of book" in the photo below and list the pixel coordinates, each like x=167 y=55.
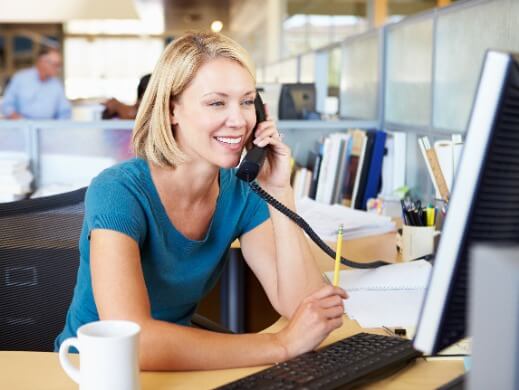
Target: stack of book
x=345 y=168
x=15 y=176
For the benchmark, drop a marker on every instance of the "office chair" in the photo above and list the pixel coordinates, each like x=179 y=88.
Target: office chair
x=39 y=258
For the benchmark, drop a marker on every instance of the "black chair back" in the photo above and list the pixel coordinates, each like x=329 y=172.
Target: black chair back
x=39 y=258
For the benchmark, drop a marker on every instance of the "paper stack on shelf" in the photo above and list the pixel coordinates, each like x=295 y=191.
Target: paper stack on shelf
x=325 y=219
x=15 y=176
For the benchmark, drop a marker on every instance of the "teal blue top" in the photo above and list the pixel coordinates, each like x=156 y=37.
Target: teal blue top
x=178 y=271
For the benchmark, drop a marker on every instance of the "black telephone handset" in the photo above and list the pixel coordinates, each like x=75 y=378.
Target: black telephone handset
x=253 y=160
x=248 y=171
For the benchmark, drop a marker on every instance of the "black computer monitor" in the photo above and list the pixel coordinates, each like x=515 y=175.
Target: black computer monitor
x=297 y=101
x=484 y=204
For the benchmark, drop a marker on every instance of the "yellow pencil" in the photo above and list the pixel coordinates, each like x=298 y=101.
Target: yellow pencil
x=338 y=257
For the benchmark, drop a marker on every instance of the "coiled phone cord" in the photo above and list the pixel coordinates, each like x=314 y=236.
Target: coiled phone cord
x=308 y=230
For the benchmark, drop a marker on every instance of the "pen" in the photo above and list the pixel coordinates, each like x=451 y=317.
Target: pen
x=415 y=221
x=419 y=215
x=337 y=257
x=404 y=213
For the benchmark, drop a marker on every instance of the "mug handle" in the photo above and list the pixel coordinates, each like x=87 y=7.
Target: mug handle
x=69 y=368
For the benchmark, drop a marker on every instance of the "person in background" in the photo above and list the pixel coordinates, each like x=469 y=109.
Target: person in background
x=116 y=109
x=118 y=140
x=37 y=93
x=157 y=227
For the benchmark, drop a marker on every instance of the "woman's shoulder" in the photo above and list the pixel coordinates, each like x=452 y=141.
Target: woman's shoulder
x=134 y=168
x=126 y=177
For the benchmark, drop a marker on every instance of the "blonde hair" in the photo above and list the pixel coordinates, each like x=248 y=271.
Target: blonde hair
x=153 y=137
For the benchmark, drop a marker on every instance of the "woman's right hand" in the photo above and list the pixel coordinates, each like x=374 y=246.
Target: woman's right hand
x=315 y=318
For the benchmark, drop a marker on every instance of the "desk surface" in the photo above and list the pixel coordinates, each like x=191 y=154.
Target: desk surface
x=41 y=370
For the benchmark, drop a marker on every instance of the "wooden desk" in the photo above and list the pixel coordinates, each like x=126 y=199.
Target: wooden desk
x=37 y=370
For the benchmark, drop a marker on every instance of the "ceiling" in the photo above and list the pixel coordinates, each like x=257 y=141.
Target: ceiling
x=58 y=11
x=183 y=15
x=355 y=7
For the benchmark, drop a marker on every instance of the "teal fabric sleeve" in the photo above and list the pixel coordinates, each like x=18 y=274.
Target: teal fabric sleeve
x=255 y=213
x=111 y=204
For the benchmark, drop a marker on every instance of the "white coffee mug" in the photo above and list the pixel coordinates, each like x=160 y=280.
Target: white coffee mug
x=108 y=356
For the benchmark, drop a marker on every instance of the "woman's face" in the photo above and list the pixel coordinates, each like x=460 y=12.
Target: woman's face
x=214 y=116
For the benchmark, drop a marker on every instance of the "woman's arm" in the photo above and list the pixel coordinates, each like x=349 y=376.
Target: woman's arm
x=280 y=257
x=120 y=293
x=277 y=251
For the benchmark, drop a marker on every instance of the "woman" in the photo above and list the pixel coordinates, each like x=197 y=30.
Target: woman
x=157 y=227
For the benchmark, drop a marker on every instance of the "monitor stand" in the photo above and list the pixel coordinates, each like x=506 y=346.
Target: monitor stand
x=494 y=317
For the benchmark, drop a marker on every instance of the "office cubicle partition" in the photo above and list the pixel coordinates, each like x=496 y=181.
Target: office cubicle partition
x=417 y=75
x=67 y=153
x=360 y=77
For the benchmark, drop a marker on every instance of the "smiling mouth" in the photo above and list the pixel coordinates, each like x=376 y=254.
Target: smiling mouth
x=229 y=140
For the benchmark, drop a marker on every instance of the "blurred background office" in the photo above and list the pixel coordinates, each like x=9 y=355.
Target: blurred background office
x=108 y=46
x=408 y=67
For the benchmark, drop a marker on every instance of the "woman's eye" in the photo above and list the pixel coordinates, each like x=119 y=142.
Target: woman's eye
x=248 y=102
x=216 y=104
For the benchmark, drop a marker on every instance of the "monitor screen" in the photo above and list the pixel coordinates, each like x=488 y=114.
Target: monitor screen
x=297 y=101
x=484 y=204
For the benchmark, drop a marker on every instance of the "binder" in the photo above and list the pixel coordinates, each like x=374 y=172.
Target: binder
x=363 y=173
x=331 y=162
x=350 y=176
x=342 y=171
x=314 y=164
x=375 y=167
x=324 y=171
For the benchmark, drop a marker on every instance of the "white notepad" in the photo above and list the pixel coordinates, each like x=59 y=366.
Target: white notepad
x=399 y=276
x=386 y=296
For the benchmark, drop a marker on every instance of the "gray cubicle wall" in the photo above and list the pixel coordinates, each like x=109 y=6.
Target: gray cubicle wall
x=433 y=62
x=408 y=91
x=15 y=136
x=360 y=77
x=409 y=51
x=288 y=70
x=463 y=33
x=307 y=68
x=67 y=153
x=71 y=153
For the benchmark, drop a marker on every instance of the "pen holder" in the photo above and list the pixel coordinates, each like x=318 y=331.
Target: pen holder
x=416 y=241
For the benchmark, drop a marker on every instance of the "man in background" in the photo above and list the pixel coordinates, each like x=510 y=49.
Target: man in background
x=37 y=93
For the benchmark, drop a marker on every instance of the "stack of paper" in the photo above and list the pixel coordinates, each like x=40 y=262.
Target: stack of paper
x=325 y=220
x=15 y=177
x=391 y=295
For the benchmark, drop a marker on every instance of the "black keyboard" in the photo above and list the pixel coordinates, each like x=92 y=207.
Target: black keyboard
x=345 y=363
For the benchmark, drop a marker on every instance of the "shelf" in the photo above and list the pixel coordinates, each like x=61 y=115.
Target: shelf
x=326 y=125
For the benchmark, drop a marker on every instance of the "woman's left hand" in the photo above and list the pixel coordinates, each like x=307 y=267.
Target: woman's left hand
x=275 y=173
